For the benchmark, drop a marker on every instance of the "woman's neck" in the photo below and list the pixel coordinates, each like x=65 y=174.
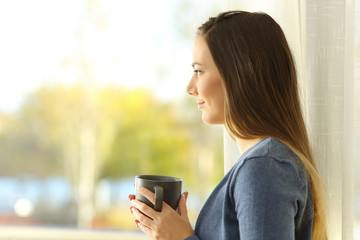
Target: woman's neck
x=245 y=144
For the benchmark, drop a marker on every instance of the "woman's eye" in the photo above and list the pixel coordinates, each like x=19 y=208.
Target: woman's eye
x=198 y=72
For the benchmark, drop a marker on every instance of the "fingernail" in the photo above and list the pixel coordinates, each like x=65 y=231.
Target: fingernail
x=139 y=224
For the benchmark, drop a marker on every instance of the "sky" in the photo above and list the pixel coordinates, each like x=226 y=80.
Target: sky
x=29 y=46
x=132 y=44
x=45 y=42
x=121 y=42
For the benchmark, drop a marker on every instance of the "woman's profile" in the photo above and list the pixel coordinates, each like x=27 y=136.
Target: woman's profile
x=245 y=78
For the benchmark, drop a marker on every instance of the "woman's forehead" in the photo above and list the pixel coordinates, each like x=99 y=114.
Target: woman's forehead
x=201 y=52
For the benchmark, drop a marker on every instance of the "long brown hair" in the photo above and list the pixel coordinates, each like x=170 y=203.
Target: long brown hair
x=261 y=89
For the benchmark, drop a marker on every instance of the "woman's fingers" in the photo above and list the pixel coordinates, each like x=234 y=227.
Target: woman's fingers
x=182 y=210
x=145 y=229
x=167 y=224
x=151 y=197
x=145 y=209
x=131 y=197
x=147 y=194
x=141 y=218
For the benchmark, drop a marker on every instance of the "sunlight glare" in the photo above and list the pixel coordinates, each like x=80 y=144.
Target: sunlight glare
x=23 y=207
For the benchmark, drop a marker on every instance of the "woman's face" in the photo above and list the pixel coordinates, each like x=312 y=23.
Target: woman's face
x=206 y=85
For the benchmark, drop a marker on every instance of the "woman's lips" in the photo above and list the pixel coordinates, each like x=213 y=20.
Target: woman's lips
x=200 y=104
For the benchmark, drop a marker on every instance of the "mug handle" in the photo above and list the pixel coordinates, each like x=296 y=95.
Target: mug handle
x=159 y=197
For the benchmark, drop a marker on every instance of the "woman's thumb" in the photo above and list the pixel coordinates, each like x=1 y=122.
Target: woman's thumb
x=182 y=210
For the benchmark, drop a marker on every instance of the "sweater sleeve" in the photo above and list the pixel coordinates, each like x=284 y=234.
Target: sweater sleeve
x=266 y=194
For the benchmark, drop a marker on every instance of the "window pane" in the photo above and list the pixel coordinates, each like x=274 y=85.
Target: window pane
x=92 y=94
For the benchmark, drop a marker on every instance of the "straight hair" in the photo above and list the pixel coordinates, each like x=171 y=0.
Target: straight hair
x=261 y=90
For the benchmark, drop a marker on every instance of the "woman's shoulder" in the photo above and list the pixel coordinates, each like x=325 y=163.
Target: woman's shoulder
x=269 y=148
x=270 y=161
x=271 y=151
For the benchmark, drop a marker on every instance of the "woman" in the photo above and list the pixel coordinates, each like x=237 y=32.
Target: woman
x=244 y=77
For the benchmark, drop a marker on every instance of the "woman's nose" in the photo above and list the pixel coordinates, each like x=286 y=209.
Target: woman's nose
x=191 y=88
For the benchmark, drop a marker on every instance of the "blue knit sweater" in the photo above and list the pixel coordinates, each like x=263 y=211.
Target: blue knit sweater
x=266 y=195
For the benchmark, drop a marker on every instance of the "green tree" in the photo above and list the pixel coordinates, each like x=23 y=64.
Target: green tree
x=149 y=138
x=24 y=152
x=107 y=133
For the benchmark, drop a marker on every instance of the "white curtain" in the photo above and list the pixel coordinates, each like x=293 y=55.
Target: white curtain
x=321 y=34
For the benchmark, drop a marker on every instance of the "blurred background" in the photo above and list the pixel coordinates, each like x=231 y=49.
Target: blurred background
x=92 y=93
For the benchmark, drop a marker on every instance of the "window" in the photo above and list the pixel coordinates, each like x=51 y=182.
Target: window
x=92 y=94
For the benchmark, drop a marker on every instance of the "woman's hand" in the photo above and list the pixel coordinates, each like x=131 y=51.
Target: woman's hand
x=165 y=225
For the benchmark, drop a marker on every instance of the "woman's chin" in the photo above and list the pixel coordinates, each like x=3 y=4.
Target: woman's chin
x=212 y=120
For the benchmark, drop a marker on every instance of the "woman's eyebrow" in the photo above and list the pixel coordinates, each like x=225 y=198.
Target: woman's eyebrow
x=195 y=63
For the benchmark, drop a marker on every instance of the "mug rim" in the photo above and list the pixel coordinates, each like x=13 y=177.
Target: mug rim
x=148 y=178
